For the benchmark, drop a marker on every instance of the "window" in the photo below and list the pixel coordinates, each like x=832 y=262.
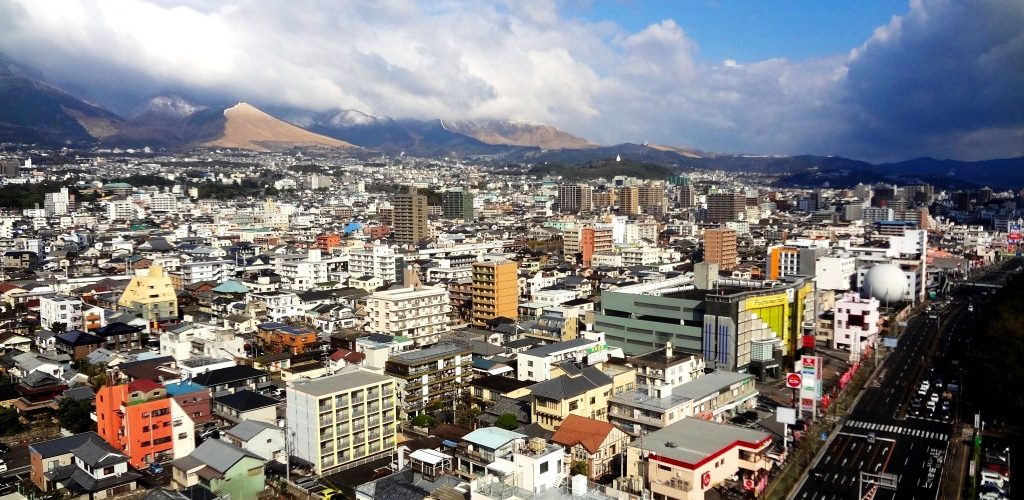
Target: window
x=108 y=471
x=543 y=467
x=573 y=405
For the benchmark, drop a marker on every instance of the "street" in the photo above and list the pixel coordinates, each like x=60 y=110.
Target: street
x=914 y=447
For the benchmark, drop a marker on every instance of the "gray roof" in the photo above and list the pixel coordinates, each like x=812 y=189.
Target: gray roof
x=97 y=453
x=349 y=377
x=217 y=455
x=708 y=384
x=546 y=350
x=691 y=440
x=64 y=445
x=567 y=386
x=250 y=429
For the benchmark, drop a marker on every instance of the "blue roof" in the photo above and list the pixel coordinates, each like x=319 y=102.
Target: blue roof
x=176 y=388
x=231 y=286
x=483 y=364
x=352 y=226
x=492 y=437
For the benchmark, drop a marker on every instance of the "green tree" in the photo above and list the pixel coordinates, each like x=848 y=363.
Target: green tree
x=580 y=467
x=507 y=421
x=58 y=328
x=424 y=420
x=466 y=415
x=74 y=416
x=10 y=421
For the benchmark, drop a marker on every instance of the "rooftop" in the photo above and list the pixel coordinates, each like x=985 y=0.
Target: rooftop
x=349 y=377
x=694 y=441
x=547 y=350
x=432 y=353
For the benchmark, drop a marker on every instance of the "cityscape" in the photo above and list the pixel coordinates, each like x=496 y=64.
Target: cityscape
x=285 y=284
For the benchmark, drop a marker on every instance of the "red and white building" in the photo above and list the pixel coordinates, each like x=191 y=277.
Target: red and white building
x=688 y=458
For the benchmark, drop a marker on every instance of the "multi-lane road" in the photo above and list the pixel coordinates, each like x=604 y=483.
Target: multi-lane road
x=878 y=436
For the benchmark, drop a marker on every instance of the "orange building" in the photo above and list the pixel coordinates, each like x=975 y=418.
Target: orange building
x=594 y=240
x=136 y=419
x=783 y=261
x=328 y=242
x=278 y=337
x=720 y=248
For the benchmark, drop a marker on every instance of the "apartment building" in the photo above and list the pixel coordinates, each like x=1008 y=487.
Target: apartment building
x=342 y=420
x=434 y=375
x=135 y=418
x=150 y=295
x=539 y=364
x=629 y=200
x=495 y=290
x=60 y=309
x=410 y=217
x=651 y=198
x=574 y=198
x=457 y=204
x=720 y=248
x=378 y=261
x=725 y=207
x=419 y=313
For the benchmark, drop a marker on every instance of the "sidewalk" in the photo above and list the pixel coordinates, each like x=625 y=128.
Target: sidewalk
x=955 y=469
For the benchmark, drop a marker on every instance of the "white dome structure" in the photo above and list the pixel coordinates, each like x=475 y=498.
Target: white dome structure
x=885 y=282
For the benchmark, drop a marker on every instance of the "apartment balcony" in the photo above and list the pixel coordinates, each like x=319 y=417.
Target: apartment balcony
x=672 y=488
x=633 y=416
x=326 y=434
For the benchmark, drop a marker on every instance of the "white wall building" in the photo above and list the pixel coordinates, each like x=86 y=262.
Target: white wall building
x=60 y=309
x=374 y=260
x=855 y=323
x=418 y=313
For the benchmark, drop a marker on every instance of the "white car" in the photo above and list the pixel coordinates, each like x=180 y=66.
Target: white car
x=934 y=398
x=3 y=466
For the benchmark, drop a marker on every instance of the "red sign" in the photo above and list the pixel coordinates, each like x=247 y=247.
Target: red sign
x=748 y=484
x=705 y=480
x=793 y=380
x=808 y=361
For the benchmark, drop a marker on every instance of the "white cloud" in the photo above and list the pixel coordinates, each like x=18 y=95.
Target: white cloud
x=454 y=59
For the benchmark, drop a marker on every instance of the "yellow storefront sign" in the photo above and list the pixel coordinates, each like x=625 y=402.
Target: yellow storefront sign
x=766 y=301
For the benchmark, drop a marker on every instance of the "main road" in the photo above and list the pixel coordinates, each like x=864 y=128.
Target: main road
x=877 y=436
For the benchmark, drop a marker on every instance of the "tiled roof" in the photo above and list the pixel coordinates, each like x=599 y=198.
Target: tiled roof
x=584 y=431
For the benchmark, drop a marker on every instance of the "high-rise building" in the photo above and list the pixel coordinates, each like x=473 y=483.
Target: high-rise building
x=595 y=240
x=9 y=168
x=410 y=215
x=651 y=198
x=457 y=204
x=725 y=207
x=604 y=199
x=575 y=198
x=495 y=290
x=629 y=200
x=58 y=203
x=720 y=248
x=342 y=420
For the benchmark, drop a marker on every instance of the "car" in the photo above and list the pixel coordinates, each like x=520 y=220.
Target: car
x=946 y=406
x=3 y=466
x=992 y=495
x=4 y=449
x=156 y=468
x=872 y=438
x=934 y=398
x=970 y=308
x=930 y=406
x=923 y=391
x=998 y=469
x=938 y=383
x=994 y=478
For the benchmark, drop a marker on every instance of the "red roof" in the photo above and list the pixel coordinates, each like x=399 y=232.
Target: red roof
x=583 y=431
x=348 y=355
x=143 y=385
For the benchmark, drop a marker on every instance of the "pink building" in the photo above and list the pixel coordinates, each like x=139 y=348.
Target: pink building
x=856 y=324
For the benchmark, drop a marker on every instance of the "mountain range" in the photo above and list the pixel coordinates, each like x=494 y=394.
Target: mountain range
x=35 y=112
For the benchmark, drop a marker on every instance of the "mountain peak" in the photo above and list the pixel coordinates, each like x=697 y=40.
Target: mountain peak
x=518 y=133
x=248 y=127
x=169 y=105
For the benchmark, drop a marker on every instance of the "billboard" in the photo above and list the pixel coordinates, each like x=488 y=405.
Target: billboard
x=810 y=370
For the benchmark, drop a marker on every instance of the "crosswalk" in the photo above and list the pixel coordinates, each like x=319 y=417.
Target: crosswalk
x=897 y=429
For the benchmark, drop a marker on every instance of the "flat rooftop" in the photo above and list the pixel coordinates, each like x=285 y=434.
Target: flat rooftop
x=349 y=377
x=693 y=440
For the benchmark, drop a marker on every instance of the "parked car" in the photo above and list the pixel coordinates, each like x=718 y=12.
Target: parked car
x=3 y=466
x=156 y=468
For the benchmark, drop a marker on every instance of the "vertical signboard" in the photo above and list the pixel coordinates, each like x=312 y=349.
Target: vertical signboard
x=810 y=370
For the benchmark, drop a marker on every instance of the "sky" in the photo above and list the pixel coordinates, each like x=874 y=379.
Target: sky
x=876 y=80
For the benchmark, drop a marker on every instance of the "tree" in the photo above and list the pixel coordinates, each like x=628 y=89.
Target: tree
x=507 y=421
x=58 y=328
x=580 y=467
x=74 y=414
x=466 y=415
x=10 y=421
x=424 y=420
